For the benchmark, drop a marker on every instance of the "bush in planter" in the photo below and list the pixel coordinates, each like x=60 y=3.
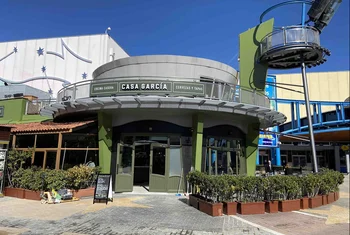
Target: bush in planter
x=80 y=177
x=15 y=161
x=195 y=179
x=54 y=179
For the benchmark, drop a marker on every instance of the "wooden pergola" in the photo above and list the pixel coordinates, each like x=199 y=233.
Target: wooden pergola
x=40 y=128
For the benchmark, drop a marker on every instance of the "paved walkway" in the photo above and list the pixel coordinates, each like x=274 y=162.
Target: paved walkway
x=162 y=214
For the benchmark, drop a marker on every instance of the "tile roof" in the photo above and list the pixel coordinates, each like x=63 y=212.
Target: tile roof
x=45 y=126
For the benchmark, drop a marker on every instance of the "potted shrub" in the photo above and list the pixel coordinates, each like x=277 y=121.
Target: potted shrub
x=229 y=194
x=211 y=188
x=339 y=180
x=304 y=200
x=312 y=187
x=251 y=195
x=270 y=185
x=14 y=167
x=291 y=194
x=81 y=180
x=195 y=178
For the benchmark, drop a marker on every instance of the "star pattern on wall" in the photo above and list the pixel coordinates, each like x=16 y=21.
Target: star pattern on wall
x=15 y=49
x=40 y=51
x=43 y=69
x=84 y=75
x=50 y=91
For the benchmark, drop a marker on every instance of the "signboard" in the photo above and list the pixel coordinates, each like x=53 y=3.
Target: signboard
x=1 y=111
x=3 y=153
x=267 y=140
x=139 y=87
x=103 y=188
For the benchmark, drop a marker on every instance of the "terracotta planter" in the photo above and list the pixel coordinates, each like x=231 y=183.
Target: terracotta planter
x=193 y=201
x=304 y=203
x=324 y=200
x=32 y=195
x=230 y=208
x=213 y=209
x=271 y=207
x=289 y=205
x=251 y=208
x=87 y=192
x=336 y=195
x=331 y=197
x=14 y=192
x=315 y=201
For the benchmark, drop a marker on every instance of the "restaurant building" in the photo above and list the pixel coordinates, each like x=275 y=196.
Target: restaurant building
x=147 y=120
x=160 y=116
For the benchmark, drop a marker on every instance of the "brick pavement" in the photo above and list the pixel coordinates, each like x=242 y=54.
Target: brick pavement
x=160 y=214
x=146 y=215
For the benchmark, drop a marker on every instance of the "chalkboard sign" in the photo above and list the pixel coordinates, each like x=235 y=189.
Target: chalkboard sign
x=103 y=188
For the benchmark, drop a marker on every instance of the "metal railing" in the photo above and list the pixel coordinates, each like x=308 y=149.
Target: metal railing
x=289 y=36
x=33 y=107
x=213 y=89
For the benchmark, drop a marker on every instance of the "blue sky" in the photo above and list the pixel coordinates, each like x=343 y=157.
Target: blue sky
x=202 y=28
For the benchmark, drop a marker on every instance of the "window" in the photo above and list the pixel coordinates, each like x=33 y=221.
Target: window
x=25 y=141
x=47 y=141
x=73 y=140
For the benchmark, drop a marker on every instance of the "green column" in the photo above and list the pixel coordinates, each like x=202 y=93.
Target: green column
x=105 y=141
x=252 y=139
x=197 y=141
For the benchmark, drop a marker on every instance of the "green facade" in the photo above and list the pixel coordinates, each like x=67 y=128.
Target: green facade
x=14 y=112
x=252 y=73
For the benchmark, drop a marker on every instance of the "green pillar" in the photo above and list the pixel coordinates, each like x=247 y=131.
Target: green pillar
x=252 y=139
x=197 y=141
x=105 y=141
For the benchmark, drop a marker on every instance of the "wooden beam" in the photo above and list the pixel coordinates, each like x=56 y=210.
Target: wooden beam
x=58 y=153
x=14 y=142
x=44 y=162
x=33 y=154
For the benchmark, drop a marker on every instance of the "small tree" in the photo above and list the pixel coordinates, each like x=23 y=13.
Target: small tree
x=15 y=161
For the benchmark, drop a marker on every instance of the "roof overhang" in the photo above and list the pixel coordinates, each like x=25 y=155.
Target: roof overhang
x=266 y=116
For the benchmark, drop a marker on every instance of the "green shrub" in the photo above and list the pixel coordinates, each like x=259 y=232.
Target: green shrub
x=80 y=177
x=55 y=179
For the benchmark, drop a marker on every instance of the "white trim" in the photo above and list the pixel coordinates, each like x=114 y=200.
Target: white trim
x=257 y=225
x=317 y=216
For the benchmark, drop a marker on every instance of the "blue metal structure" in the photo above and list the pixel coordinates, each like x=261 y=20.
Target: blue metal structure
x=330 y=121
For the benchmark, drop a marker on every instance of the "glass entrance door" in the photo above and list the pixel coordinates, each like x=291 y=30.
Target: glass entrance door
x=125 y=165
x=158 y=168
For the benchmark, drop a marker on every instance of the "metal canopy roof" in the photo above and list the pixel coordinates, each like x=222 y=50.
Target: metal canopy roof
x=266 y=116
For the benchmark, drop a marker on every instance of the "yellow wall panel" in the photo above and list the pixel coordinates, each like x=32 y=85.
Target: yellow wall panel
x=323 y=86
